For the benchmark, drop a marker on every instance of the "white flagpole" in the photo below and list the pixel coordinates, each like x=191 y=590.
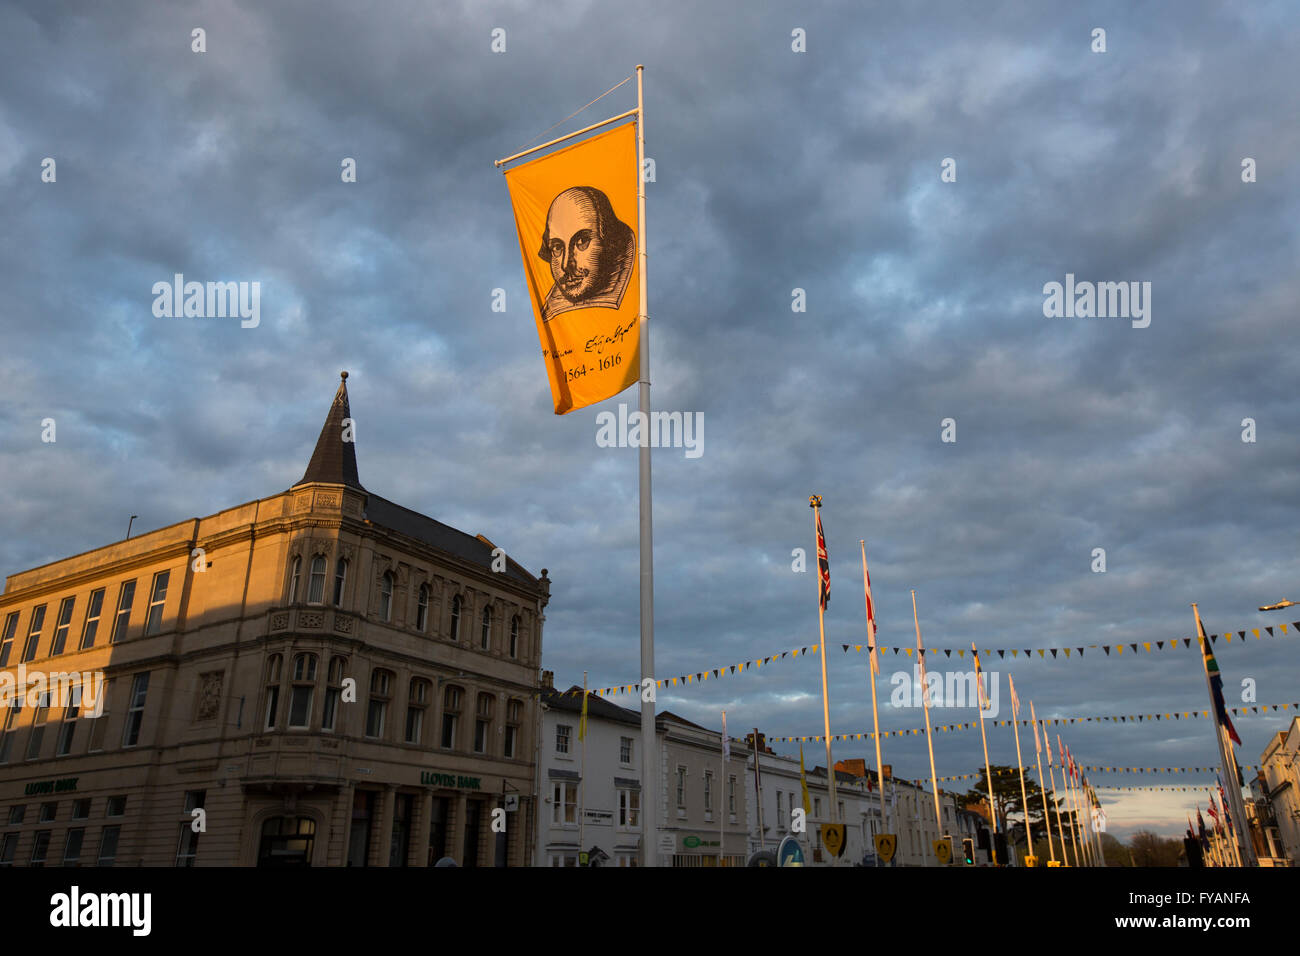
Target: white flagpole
x=649 y=745
x=1065 y=782
x=815 y=502
x=988 y=769
x=1056 y=803
x=925 y=702
x=723 y=806
x=582 y=781
x=1024 y=797
x=758 y=792
x=1080 y=858
x=875 y=713
x=1038 y=757
x=1229 y=763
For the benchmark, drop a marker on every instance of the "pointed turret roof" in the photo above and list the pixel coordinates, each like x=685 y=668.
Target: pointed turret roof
x=334 y=461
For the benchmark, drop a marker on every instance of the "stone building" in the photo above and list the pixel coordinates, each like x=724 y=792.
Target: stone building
x=321 y=677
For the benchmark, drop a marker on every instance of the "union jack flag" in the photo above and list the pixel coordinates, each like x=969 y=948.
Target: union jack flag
x=823 y=565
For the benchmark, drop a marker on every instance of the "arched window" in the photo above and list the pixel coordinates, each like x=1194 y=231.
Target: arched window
x=455 y=618
x=381 y=690
x=287 y=841
x=340 y=578
x=273 y=664
x=485 y=638
x=304 y=690
x=416 y=702
x=386 y=596
x=333 y=690
x=450 y=716
x=422 y=609
x=514 y=718
x=295 y=574
x=514 y=636
x=316 y=588
x=483 y=723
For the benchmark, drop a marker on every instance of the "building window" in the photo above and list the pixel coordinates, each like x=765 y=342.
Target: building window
x=99 y=726
x=450 y=715
x=514 y=636
x=422 y=609
x=681 y=788
x=81 y=809
x=61 y=627
x=72 y=846
x=40 y=847
x=7 y=643
x=68 y=729
x=17 y=813
x=780 y=820
x=49 y=811
x=7 y=849
x=417 y=701
x=135 y=709
x=625 y=750
x=38 y=727
x=483 y=723
x=455 y=618
x=563 y=736
x=287 y=841
x=304 y=688
x=316 y=583
x=564 y=802
x=108 y=846
x=817 y=807
x=333 y=690
x=386 y=596
x=514 y=716
x=93 y=611
x=115 y=806
x=629 y=809
x=10 y=728
x=273 y=664
x=485 y=637
x=708 y=792
x=295 y=575
x=187 y=847
x=157 y=601
x=34 y=633
x=340 y=578
x=731 y=795
x=125 y=598
x=381 y=683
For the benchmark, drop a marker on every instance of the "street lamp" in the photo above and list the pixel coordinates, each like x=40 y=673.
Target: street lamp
x=1278 y=606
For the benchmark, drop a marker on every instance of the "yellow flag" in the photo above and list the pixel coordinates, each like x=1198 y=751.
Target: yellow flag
x=576 y=215
x=803 y=785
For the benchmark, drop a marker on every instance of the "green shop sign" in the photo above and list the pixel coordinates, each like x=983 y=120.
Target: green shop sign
x=453 y=780
x=691 y=842
x=52 y=786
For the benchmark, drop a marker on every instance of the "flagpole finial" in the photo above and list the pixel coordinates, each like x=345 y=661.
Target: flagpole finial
x=814 y=501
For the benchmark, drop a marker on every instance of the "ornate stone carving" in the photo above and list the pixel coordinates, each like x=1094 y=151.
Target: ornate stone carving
x=209 y=700
x=343 y=625
x=280 y=621
x=310 y=620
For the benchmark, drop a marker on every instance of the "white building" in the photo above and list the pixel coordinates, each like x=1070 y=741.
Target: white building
x=909 y=815
x=1282 y=779
x=604 y=817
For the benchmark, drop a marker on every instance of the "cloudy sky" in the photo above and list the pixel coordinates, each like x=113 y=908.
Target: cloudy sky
x=775 y=170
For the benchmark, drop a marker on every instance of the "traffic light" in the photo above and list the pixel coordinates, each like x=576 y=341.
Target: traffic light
x=968 y=848
x=1000 y=845
x=983 y=835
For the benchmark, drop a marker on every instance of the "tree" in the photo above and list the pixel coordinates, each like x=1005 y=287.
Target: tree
x=1114 y=852
x=1152 y=850
x=1007 y=800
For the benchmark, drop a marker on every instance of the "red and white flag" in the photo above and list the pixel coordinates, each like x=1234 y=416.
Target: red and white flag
x=871 y=612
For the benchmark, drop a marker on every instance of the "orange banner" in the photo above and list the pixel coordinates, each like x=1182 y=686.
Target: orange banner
x=576 y=214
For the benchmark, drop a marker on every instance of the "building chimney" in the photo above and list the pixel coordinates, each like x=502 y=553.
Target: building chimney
x=548 y=680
